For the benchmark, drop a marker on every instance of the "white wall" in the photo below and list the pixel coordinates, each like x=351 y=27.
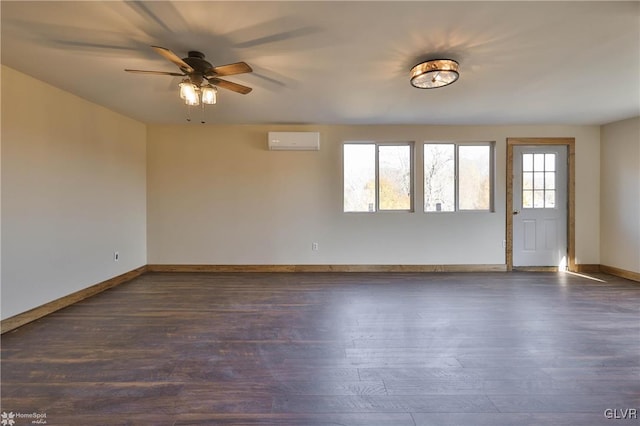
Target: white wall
x=217 y=196
x=73 y=191
x=620 y=199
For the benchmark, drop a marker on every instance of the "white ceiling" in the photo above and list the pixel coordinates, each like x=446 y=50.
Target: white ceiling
x=341 y=62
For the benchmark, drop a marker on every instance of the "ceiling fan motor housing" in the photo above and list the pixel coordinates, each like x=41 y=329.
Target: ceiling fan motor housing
x=200 y=66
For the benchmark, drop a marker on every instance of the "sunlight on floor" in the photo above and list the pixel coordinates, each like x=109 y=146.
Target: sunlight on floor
x=563 y=264
x=584 y=276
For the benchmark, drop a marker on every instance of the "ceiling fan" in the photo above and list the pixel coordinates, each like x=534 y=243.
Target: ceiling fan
x=199 y=71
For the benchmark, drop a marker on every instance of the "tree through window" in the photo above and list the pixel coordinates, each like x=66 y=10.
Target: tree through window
x=458 y=177
x=378 y=177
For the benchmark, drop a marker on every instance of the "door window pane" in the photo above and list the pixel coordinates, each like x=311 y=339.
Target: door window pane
x=550 y=162
x=550 y=180
x=550 y=199
x=527 y=199
x=527 y=180
x=538 y=181
x=538 y=162
x=538 y=199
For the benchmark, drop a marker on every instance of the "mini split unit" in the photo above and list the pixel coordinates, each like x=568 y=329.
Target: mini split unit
x=294 y=141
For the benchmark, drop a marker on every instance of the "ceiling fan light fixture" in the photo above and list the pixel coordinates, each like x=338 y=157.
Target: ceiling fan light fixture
x=188 y=93
x=434 y=73
x=192 y=101
x=201 y=78
x=209 y=94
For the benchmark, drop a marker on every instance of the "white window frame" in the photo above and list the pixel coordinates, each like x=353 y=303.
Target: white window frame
x=492 y=174
x=412 y=182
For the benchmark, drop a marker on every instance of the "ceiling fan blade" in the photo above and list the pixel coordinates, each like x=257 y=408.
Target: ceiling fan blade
x=235 y=87
x=155 y=72
x=231 y=69
x=170 y=56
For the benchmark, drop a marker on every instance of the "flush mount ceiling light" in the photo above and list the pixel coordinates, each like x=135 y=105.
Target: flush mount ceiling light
x=435 y=73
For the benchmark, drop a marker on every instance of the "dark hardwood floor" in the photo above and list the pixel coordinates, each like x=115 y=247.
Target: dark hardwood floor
x=384 y=349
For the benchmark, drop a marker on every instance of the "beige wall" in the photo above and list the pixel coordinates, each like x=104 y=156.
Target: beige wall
x=80 y=182
x=217 y=196
x=620 y=199
x=73 y=191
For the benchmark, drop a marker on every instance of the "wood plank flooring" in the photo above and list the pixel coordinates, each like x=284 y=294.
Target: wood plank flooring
x=311 y=349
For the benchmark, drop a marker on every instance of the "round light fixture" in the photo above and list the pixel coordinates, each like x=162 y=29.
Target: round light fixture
x=435 y=73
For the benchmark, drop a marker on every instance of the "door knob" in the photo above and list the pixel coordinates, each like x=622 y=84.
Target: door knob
x=515 y=212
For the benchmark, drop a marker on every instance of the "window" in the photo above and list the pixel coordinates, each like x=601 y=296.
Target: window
x=378 y=177
x=458 y=177
x=539 y=181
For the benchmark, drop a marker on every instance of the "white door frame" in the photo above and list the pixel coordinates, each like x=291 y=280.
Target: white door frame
x=570 y=143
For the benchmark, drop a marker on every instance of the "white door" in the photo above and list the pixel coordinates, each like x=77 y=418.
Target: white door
x=540 y=206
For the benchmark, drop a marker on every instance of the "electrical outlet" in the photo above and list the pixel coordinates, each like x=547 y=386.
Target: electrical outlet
x=314 y=246
x=116 y=256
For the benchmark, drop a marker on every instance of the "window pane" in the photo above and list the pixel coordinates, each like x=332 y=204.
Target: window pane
x=394 y=177
x=527 y=162
x=550 y=162
x=550 y=199
x=359 y=177
x=538 y=199
x=538 y=162
x=527 y=199
x=439 y=177
x=541 y=179
x=474 y=188
x=550 y=180
x=538 y=180
x=527 y=180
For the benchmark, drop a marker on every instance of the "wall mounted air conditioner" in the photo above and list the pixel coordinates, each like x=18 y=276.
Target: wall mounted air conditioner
x=294 y=141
